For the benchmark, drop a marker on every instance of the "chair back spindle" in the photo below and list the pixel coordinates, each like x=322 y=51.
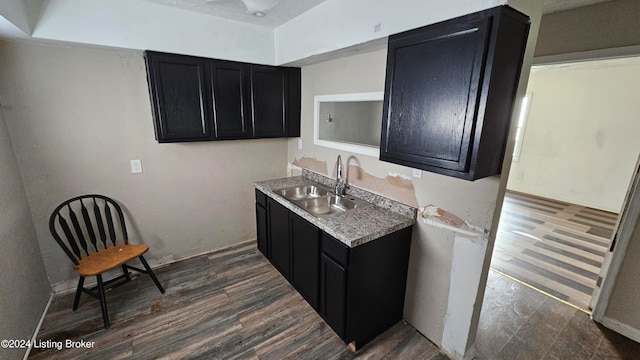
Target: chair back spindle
x=78 y=235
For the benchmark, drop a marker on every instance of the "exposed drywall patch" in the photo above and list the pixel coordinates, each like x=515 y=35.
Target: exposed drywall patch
x=436 y=216
x=394 y=174
x=443 y=215
x=312 y=164
x=293 y=170
x=393 y=186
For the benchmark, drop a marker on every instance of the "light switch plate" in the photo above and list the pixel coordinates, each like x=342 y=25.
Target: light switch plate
x=136 y=166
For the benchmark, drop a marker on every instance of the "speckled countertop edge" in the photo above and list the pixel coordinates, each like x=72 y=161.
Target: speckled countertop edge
x=354 y=227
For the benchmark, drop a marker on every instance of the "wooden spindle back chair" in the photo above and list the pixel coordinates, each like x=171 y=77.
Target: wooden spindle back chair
x=91 y=230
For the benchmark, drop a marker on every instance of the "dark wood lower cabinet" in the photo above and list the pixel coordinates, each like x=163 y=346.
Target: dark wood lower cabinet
x=261 y=223
x=305 y=258
x=279 y=244
x=333 y=284
x=365 y=283
x=359 y=291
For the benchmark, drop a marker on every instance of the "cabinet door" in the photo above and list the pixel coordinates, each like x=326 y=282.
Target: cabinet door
x=305 y=259
x=333 y=291
x=269 y=101
x=279 y=243
x=261 y=229
x=294 y=98
x=431 y=95
x=179 y=96
x=231 y=116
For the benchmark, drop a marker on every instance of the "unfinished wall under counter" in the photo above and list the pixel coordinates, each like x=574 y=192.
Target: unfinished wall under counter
x=77 y=115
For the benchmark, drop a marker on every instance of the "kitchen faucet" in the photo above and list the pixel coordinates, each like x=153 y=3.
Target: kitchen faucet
x=341 y=186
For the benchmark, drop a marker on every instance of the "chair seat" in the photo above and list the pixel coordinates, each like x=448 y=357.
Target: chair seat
x=109 y=258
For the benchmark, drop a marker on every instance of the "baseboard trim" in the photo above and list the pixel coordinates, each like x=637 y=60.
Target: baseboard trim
x=35 y=333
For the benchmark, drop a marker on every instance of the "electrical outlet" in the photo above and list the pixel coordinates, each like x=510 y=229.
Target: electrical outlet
x=417 y=173
x=299 y=144
x=136 y=166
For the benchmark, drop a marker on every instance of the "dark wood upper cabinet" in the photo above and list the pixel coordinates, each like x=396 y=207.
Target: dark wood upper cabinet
x=275 y=101
x=198 y=99
x=180 y=98
x=268 y=101
x=231 y=116
x=449 y=93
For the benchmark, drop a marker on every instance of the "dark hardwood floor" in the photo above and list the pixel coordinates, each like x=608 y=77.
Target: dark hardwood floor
x=233 y=304
x=552 y=246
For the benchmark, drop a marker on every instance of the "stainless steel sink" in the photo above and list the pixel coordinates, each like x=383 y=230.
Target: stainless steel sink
x=321 y=202
x=302 y=192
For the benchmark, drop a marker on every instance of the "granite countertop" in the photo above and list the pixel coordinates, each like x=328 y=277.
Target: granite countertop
x=354 y=227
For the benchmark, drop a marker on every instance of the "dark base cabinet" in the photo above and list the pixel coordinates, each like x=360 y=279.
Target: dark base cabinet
x=279 y=240
x=362 y=288
x=261 y=223
x=359 y=291
x=305 y=259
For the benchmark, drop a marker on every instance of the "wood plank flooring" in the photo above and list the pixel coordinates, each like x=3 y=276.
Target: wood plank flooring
x=553 y=246
x=230 y=304
x=233 y=304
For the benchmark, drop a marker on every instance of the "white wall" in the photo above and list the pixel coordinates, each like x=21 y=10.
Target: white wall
x=581 y=143
x=76 y=116
x=24 y=288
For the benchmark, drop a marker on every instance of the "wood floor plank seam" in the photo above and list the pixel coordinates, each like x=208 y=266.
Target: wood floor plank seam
x=563 y=244
x=234 y=305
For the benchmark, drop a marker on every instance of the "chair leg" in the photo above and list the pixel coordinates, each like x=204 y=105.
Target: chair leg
x=126 y=272
x=103 y=302
x=76 y=301
x=150 y=272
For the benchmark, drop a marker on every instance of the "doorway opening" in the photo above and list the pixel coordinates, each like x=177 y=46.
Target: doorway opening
x=575 y=157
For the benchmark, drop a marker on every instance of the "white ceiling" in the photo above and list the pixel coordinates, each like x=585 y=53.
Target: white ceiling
x=286 y=10
x=283 y=11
